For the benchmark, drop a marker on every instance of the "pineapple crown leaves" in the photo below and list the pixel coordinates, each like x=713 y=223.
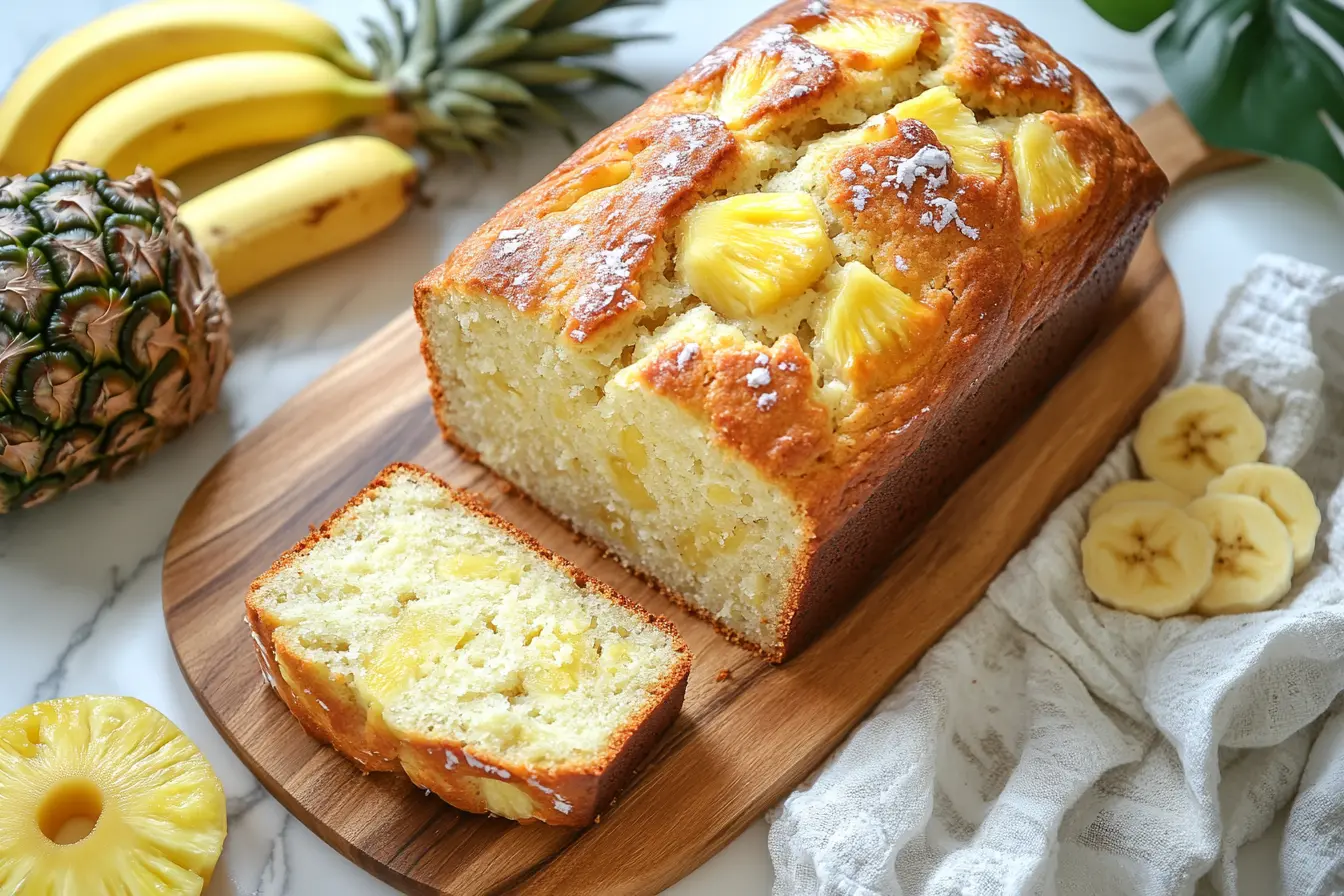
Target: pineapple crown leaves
x=1262 y=76
x=471 y=71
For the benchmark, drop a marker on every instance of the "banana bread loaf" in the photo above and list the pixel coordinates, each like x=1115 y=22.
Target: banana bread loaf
x=750 y=335
x=418 y=632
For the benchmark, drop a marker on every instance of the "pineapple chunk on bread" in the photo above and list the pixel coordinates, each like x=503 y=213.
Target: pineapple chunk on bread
x=745 y=337
x=416 y=631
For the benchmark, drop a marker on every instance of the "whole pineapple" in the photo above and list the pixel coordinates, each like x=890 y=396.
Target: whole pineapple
x=113 y=330
x=104 y=795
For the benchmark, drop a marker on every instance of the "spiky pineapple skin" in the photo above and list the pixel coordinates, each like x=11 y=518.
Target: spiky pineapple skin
x=113 y=330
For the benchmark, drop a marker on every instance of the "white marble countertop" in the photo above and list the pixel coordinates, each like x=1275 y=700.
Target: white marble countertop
x=79 y=580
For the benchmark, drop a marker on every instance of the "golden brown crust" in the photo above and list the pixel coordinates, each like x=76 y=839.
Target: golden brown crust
x=330 y=711
x=996 y=274
x=998 y=65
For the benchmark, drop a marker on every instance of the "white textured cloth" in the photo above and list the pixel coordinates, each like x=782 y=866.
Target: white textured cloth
x=1049 y=744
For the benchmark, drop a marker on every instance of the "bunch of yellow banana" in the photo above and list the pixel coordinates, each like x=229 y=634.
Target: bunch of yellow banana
x=164 y=83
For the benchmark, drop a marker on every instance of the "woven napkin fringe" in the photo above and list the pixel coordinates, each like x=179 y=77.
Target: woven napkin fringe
x=1051 y=744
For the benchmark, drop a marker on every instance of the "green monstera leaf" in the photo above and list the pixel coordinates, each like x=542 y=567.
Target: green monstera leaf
x=1261 y=76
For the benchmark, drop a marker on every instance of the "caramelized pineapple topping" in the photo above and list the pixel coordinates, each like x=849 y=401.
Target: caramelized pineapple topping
x=591 y=178
x=872 y=41
x=869 y=319
x=1049 y=181
x=747 y=255
x=974 y=147
x=749 y=78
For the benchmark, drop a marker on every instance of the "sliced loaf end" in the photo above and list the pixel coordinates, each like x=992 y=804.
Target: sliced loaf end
x=417 y=631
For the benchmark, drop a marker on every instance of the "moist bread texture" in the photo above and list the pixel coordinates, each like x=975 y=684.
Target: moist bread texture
x=747 y=337
x=416 y=631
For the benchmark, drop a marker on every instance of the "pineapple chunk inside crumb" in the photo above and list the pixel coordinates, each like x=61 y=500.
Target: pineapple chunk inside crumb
x=489 y=645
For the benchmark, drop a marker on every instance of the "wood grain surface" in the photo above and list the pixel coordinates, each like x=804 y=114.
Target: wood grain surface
x=742 y=743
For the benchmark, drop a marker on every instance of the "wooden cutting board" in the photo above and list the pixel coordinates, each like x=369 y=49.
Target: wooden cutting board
x=741 y=743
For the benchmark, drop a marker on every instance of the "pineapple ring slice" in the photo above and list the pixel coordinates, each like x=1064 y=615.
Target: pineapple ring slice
x=105 y=795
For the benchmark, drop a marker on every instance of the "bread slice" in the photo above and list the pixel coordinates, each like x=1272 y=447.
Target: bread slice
x=416 y=631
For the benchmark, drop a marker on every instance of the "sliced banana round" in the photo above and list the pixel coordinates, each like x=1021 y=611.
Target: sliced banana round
x=1148 y=557
x=1188 y=437
x=1135 y=490
x=1286 y=493
x=1253 y=561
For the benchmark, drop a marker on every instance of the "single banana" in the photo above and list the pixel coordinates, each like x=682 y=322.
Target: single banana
x=302 y=206
x=72 y=75
x=1148 y=557
x=1135 y=490
x=1286 y=493
x=207 y=106
x=1253 y=562
x=1188 y=437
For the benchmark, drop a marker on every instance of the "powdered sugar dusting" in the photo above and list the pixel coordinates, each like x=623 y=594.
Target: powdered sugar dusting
x=859 y=196
x=695 y=129
x=928 y=162
x=759 y=378
x=612 y=270
x=449 y=759
x=1059 y=76
x=818 y=7
x=509 y=241
x=767 y=401
x=947 y=213
x=562 y=806
x=901 y=264
x=797 y=58
x=689 y=352
x=1005 y=48
x=571 y=234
